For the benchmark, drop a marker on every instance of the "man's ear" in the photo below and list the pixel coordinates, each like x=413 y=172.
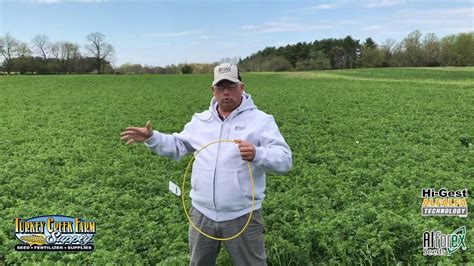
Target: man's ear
x=213 y=91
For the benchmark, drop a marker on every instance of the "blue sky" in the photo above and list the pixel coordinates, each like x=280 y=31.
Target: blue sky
x=172 y=32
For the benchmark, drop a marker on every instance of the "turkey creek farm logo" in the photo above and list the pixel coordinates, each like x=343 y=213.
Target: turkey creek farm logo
x=436 y=243
x=54 y=233
x=444 y=202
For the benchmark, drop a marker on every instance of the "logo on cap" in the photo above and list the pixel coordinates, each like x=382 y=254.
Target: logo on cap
x=224 y=70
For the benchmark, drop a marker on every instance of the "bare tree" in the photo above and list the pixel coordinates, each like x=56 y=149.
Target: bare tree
x=65 y=54
x=413 y=49
x=431 y=50
x=8 y=46
x=388 y=49
x=55 y=49
x=23 y=50
x=389 y=44
x=41 y=44
x=71 y=52
x=23 y=54
x=99 y=48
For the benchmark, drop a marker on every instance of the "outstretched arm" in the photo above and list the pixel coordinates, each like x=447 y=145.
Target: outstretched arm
x=171 y=145
x=137 y=134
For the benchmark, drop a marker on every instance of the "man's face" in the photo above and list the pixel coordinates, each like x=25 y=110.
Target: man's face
x=228 y=94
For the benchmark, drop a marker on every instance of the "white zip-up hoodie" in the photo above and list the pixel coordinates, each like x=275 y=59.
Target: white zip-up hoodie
x=220 y=179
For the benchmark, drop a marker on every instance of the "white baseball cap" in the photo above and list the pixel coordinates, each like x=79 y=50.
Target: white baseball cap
x=226 y=71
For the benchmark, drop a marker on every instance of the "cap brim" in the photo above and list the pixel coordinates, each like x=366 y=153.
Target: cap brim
x=225 y=78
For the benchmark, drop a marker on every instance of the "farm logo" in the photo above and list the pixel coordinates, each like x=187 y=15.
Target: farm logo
x=54 y=233
x=444 y=202
x=224 y=70
x=436 y=243
x=240 y=128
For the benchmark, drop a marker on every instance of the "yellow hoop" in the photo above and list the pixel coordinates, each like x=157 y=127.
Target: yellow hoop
x=184 y=193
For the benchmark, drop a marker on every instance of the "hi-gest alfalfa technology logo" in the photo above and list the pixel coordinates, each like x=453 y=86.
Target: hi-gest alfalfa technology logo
x=444 y=202
x=55 y=233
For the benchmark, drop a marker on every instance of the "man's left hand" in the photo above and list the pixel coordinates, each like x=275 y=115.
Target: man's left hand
x=247 y=150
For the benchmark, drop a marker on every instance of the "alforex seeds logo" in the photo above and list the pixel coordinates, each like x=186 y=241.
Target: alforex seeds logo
x=436 y=243
x=444 y=202
x=54 y=233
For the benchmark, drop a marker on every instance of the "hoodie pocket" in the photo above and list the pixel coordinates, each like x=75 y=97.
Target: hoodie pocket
x=229 y=195
x=245 y=184
x=202 y=182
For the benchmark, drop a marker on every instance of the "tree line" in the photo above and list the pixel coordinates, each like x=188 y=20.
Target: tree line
x=414 y=50
x=42 y=56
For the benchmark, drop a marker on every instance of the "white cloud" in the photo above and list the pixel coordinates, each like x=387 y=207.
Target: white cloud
x=43 y=1
x=161 y=44
x=284 y=25
x=90 y=1
x=384 y=3
x=63 y=1
x=322 y=6
x=466 y=11
x=171 y=34
x=448 y=20
x=349 y=22
x=227 y=45
x=439 y=21
x=374 y=28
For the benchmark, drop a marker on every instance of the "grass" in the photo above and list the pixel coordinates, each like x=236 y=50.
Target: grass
x=365 y=142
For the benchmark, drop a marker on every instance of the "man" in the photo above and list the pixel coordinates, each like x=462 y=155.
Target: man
x=221 y=191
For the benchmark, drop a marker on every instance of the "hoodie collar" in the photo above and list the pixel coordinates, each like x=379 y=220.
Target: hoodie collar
x=246 y=104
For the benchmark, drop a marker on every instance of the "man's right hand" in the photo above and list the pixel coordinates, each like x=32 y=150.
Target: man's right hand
x=137 y=134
